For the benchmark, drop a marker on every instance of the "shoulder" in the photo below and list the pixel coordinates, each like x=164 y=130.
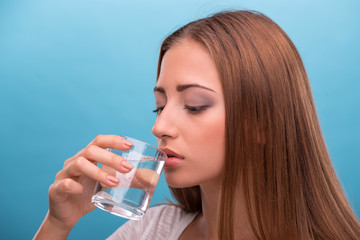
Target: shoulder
x=165 y=212
x=159 y=222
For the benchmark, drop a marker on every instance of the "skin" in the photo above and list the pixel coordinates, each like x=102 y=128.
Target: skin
x=70 y=194
x=190 y=122
x=144 y=179
x=197 y=136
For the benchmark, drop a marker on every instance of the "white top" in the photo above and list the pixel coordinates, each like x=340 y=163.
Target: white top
x=164 y=222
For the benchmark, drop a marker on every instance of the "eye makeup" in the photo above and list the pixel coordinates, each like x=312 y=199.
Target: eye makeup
x=193 y=100
x=197 y=99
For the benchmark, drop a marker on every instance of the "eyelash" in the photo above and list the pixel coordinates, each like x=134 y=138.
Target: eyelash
x=196 y=110
x=191 y=109
x=158 y=110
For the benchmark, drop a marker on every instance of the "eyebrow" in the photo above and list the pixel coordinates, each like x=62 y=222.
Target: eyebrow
x=181 y=88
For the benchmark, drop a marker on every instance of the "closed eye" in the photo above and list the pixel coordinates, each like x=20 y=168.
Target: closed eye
x=195 y=109
x=158 y=110
x=190 y=109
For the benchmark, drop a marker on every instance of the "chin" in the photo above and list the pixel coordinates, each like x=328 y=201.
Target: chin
x=179 y=181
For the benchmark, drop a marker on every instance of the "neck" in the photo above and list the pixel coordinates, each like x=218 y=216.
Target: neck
x=207 y=221
x=210 y=195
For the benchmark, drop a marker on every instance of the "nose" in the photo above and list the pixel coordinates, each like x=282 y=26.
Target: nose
x=165 y=126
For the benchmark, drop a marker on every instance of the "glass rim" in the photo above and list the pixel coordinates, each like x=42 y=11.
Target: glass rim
x=146 y=143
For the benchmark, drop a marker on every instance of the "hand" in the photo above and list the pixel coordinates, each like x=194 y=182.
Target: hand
x=70 y=194
x=145 y=179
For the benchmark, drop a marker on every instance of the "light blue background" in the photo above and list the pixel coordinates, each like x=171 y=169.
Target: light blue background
x=70 y=70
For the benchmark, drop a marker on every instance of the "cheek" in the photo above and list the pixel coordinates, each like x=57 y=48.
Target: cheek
x=211 y=144
x=205 y=141
x=209 y=135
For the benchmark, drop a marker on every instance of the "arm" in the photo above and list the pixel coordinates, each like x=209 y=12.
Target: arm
x=50 y=229
x=70 y=194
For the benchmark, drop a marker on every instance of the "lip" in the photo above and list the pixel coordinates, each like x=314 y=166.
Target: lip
x=173 y=158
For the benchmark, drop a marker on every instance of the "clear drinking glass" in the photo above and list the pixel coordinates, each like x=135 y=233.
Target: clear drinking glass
x=131 y=197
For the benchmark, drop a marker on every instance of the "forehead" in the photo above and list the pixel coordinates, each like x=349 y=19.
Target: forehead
x=188 y=63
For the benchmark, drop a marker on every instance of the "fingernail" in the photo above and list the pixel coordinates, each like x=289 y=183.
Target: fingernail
x=127 y=165
x=128 y=143
x=112 y=179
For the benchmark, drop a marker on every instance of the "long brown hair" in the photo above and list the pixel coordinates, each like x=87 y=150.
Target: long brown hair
x=274 y=146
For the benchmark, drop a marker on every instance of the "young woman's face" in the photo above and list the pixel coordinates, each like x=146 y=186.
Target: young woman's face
x=190 y=126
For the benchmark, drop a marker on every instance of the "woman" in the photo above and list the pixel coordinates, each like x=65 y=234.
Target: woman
x=248 y=160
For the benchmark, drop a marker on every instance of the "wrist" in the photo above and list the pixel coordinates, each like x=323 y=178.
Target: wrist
x=52 y=228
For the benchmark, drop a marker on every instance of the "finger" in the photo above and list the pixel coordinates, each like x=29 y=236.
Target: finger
x=111 y=141
x=62 y=189
x=67 y=161
x=83 y=167
x=145 y=179
x=105 y=141
x=100 y=155
x=69 y=186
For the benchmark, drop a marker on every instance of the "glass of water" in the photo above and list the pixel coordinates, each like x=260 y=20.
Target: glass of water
x=131 y=197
